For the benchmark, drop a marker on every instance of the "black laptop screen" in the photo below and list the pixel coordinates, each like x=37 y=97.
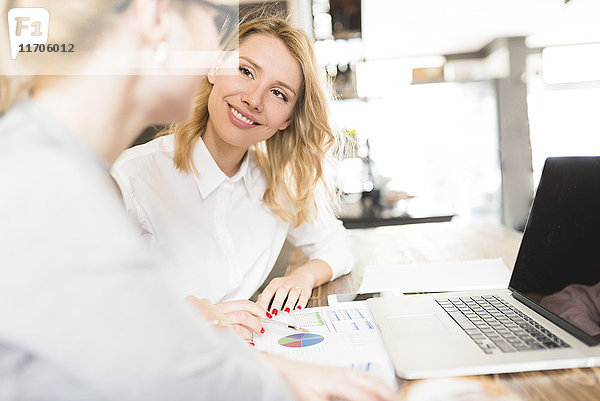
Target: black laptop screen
x=558 y=265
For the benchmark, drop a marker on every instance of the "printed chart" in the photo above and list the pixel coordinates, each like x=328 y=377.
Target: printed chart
x=342 y=335
x=300 y=340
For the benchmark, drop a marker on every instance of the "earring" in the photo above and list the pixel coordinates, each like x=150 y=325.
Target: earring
x=161 y=53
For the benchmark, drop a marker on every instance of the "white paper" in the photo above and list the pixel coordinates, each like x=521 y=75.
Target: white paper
x=436 y=277
x=350 y=339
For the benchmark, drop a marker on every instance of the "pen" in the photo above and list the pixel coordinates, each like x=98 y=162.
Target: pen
x=289 y=326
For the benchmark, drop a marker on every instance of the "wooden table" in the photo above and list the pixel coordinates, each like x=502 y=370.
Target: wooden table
x=452 y=242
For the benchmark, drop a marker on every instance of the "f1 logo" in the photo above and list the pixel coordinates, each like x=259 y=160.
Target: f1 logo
x=27 y=26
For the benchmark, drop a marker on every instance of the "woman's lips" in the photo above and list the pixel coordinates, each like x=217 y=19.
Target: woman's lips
x=239 y=119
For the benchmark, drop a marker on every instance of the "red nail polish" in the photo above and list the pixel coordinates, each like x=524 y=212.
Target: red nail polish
x=262 y=331
x=298 y=307
x=287 y=310
x=269 y=315
x=274 y=312
x=251 y=343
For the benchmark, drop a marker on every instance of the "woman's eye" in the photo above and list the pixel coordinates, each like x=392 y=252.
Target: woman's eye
x=280 y=95
x=246 y=72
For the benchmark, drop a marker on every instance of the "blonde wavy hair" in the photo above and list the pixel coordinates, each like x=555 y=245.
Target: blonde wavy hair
x=293 y=160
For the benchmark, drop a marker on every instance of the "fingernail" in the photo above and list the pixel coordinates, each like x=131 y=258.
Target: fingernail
x=269 y=315
x=251 y=343
x=287 y=310
x=274 y=312
x=298 y=307
x=262 y=331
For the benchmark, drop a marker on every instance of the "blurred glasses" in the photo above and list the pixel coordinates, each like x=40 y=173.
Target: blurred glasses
x=225 y=19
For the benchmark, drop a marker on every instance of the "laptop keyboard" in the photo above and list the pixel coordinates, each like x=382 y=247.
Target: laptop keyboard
x=495 y=324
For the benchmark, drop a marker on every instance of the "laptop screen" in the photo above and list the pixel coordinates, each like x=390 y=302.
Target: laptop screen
x=558 y=265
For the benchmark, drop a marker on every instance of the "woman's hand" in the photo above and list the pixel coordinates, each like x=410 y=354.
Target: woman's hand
x=243 y=317
x=322 y=383
x=294 y=289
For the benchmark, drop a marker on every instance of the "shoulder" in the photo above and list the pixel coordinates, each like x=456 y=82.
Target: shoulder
x=145 y=162
x=148 y=174
x=157 y=149
x=56 y=190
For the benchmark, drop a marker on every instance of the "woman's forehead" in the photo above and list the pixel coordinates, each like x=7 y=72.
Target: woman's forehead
x=272 y=57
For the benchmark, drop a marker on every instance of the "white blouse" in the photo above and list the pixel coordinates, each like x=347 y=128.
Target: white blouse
x=219 y=237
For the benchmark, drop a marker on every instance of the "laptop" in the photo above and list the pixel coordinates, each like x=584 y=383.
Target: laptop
x=547 y=318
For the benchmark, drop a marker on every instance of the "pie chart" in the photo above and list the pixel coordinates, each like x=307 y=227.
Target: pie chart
x=300 y=340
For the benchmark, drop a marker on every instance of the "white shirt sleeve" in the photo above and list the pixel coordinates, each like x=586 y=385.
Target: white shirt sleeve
x=325 y=239
x=135 y=210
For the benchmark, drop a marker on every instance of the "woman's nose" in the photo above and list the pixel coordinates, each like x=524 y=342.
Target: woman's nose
x=253 y=98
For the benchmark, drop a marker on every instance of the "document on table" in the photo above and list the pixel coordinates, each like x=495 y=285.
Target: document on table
x=342 y=335
x=436 y=277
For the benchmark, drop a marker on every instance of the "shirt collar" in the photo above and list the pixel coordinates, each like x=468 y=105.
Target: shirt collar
x=210 y=176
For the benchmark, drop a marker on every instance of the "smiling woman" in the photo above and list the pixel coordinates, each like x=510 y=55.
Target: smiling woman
x=243 y=174
x=293 y=161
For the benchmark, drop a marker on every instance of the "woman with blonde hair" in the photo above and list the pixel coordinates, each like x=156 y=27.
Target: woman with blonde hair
x=221 y=192
x=86 y=312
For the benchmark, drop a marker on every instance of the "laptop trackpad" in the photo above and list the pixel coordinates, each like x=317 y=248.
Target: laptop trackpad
x=416 y=325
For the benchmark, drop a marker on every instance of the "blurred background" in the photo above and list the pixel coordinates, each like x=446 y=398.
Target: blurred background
x=453 y=106
x=458 y=103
